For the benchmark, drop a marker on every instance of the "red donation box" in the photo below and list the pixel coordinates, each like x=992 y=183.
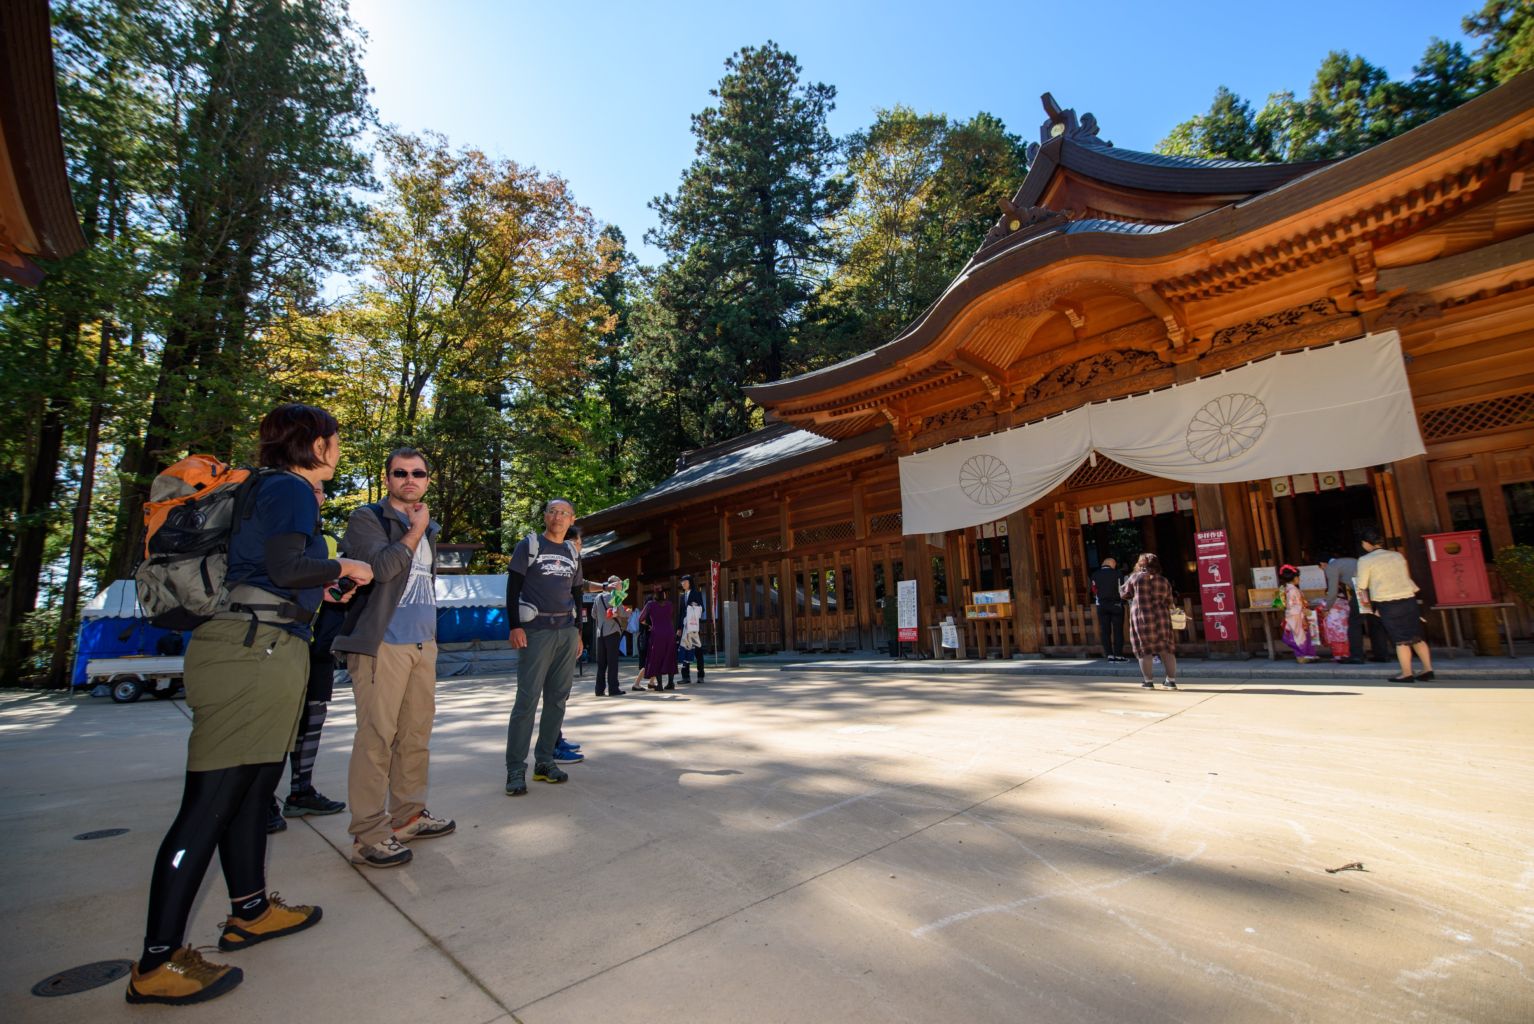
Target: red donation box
x=1459 y=567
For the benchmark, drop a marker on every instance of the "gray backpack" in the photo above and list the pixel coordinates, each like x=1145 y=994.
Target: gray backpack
x=194 y=509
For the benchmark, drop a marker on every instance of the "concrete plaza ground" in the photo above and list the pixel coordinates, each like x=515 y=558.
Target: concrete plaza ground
x=789 y=844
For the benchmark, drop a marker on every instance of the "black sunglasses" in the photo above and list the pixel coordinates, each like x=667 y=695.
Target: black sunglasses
x=419 y=474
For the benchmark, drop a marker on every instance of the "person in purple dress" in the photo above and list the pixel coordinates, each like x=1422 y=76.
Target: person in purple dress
x=660 y=659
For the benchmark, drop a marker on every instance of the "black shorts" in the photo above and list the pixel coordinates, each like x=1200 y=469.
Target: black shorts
x=322 y=678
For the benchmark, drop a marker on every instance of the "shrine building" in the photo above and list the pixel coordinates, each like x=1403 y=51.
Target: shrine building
x=1144 y=349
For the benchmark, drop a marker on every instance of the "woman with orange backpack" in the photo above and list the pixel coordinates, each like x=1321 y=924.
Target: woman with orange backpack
x=246 y=677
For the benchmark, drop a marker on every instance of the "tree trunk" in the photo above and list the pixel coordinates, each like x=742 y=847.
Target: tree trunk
x=58 y=667
x=32 y=528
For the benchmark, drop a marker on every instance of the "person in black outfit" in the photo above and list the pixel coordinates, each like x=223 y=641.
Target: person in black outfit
x=689 y=598
x=1110 y=608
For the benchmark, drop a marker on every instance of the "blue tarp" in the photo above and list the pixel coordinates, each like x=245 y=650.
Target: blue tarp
x=469 y=608
x=114 y=638
x=461 y=625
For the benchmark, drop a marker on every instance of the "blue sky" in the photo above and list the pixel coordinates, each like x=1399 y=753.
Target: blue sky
x=600 y=92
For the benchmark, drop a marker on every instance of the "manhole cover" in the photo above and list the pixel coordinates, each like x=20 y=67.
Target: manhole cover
x=83 y=978
x=102 y=833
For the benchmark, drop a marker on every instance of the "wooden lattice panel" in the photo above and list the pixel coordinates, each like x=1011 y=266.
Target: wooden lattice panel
x=756 y=546
x=1105 y=472
x=700 y=550
x=1478 y=417
x=824 y=534
x=886 y=522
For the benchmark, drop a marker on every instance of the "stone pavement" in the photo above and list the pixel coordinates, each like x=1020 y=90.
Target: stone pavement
x=894 y=845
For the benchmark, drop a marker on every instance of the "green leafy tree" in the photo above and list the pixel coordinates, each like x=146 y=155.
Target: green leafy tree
x=745 y=233
x=927 y=191
x=1351 y=106
x=480 y=304
x=62 y=357
x=1506 y=31
x=1229 y=131
x=267 y=107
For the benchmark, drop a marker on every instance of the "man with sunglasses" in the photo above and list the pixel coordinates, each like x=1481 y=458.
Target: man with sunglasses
x=390 y=642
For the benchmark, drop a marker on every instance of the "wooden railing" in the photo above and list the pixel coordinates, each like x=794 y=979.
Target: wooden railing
x=1072 y=629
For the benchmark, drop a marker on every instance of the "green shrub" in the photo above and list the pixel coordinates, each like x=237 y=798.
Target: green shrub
x=1516 y=566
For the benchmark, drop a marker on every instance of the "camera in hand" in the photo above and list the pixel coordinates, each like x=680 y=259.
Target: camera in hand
x=345 y=585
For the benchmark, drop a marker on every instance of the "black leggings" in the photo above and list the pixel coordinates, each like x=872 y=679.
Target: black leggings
x=225 y=809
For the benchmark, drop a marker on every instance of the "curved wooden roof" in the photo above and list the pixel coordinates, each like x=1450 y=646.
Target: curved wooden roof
x=1179 y=243
x=37 y=214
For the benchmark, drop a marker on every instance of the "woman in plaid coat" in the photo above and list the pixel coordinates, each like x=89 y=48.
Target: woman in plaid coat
x=1150 y=620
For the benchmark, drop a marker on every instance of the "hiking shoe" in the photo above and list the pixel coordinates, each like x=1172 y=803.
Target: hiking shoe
x=1147 y=684
x=274 y=822
x=566 y=744
x=279 y=920
x=516 y=782
x=564 y=755
x=424 y=826
x=387 y=854
x=1170 y=684
x=548 y=773
x=311 y=802
x=185 y=978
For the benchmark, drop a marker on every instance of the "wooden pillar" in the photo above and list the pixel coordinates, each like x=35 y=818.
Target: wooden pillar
x=1238 y=529
x=1419 y=514
x=673 y=547
x=918 y=567
x=1264 y=525
x=958 y=571
x=868 y=617
x=788 y=591
x=1067 y=582
x=1027 y=612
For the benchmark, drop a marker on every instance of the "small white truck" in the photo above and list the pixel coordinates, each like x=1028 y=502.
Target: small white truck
x=129 y=678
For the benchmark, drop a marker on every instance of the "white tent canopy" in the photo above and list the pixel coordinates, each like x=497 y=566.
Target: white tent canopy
x=120 y=599
x=1347 y=405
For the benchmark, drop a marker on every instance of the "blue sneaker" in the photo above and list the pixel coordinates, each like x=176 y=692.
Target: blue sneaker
x=564 y=755
x=565 y=744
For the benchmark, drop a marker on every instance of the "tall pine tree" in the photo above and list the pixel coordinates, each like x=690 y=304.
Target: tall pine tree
x=744 y=234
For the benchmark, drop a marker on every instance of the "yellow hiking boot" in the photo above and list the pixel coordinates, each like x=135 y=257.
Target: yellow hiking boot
x=185 y=978
x=279 y=920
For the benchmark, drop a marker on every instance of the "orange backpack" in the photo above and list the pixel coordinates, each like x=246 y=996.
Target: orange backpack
x=194 y=509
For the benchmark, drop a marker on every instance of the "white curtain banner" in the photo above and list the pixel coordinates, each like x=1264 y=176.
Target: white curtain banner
x=989 y=477
x=1345 y=405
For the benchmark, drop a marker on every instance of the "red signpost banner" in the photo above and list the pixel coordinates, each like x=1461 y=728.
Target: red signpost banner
x=713 y=606
x=1459 y=567
x=1216 y=589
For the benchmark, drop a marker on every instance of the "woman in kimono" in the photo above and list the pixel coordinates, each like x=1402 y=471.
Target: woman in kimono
x=660 y=658
x=1150 y=620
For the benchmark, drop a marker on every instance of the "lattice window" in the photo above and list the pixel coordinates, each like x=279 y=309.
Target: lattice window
x=757 y=546
x=1105 y=472
x=1478 y=417
x=699 y=550
x=824 y=534
x=886 y=522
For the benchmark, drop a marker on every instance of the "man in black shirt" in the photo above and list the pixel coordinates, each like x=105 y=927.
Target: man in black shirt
x=1110 y=609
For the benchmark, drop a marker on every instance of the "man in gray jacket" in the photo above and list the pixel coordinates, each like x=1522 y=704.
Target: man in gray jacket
x=390 y=642
x=608 y=624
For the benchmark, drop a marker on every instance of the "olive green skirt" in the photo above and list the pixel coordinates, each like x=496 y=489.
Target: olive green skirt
x=246 y=701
